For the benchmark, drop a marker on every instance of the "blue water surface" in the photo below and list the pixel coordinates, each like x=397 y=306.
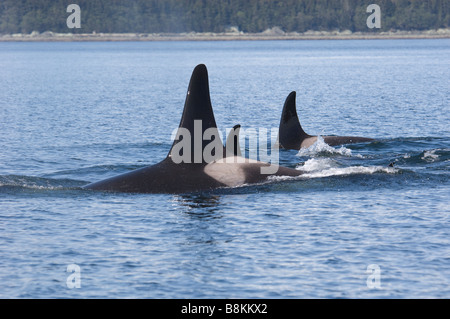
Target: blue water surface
x=352 y=227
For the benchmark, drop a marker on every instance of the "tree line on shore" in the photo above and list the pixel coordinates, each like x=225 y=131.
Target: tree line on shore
x=176 y=16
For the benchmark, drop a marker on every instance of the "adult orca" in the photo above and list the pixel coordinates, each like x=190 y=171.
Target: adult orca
x=194 y=173
x=292 y=136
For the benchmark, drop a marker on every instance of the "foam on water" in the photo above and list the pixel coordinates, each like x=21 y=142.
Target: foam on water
x=325 y=167
x=37 y=183
x=320 y=147
x=430 y=156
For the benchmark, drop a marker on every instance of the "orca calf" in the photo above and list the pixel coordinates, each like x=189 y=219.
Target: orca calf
x=186 y=169
x=292 y=136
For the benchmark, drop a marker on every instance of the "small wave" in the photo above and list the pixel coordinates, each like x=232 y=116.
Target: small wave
x=325 y=167
x=37 y=183
x=352 y=170
x=320 y=147
x=430 y=156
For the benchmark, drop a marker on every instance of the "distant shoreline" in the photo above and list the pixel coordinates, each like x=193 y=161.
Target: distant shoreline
x=271 y=34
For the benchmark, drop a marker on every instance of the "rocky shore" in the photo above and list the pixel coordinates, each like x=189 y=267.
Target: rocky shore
x=270 y=34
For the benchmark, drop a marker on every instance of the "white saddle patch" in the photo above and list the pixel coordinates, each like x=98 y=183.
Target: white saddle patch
x=229 y=171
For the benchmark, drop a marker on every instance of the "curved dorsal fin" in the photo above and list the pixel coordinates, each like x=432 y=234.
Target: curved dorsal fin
x=290 y=133
x=232 y=146
x=198 y=116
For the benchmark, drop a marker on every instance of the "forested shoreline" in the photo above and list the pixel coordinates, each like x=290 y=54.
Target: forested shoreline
x=250 y=16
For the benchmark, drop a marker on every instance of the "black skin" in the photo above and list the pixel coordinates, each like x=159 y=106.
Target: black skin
x=170 y=177
x=291 y=134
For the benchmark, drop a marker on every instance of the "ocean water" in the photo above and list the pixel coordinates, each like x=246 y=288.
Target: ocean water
x=351 y=227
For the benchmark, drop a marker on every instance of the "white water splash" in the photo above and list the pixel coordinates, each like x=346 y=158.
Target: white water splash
x=321 y=147
x=430 y=156
x=323 y=167
x=326 y=167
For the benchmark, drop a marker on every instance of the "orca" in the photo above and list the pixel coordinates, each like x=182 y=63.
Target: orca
x=292 y=136
x=194 y=173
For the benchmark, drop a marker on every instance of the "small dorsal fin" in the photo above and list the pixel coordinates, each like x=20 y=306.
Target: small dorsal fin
x=232 y=146
x=198 y=116
x=290 y=132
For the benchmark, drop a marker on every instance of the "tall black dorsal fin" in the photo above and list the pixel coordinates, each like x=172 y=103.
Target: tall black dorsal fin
x=232 y=146
x=290 y=133
x=197 y=117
